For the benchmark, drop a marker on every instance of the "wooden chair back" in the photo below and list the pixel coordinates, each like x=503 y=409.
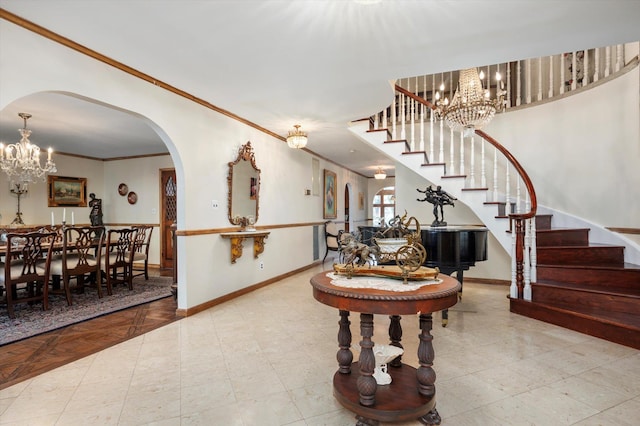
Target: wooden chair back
x=25 y=276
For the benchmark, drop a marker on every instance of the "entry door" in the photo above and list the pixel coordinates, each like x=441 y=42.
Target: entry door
x=168 y=189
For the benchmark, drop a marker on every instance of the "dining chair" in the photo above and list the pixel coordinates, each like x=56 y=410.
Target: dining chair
x=25 y=271
x=141 y=244
x=116 y=263
x=332 y=238
x=80 y=258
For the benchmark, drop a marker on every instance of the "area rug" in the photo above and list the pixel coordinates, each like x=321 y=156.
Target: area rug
x=32 y=320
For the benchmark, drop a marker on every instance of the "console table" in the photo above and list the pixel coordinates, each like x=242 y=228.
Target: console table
x=411 y=394
x=238 y=237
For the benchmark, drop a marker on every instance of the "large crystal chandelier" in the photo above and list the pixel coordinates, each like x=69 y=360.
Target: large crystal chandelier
x=471 y=106
x=21 y=161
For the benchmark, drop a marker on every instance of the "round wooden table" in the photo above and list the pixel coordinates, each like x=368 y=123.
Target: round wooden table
x=411 y=394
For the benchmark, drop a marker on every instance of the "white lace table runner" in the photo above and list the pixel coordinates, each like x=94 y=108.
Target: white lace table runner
x=378 y=283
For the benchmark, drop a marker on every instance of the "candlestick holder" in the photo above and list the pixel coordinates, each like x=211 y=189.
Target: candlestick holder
x=19 y=190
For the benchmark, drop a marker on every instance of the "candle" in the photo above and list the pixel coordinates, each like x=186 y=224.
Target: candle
x=64 y=215
x=49 y=157
x=52 y=222
x=73 y=222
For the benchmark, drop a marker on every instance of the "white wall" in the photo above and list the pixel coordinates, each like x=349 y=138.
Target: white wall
x=201 y=143
x=582 y=152
x=34 y=204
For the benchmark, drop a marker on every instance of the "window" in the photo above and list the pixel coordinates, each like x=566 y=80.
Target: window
x=384 y=206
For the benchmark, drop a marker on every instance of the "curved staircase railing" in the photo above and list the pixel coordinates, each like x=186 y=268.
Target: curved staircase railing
x=411 y=120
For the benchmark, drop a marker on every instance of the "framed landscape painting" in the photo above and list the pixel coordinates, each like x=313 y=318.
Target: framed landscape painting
x=67 y=191
x=330 y=208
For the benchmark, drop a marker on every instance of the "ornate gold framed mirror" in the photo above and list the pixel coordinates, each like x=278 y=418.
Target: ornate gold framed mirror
x=244 y=189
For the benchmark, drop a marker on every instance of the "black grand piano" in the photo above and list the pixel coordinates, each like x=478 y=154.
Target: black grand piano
x=453 y=248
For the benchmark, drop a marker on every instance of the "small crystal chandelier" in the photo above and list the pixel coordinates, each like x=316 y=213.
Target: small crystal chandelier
x=471 y=107
x=380 y=174
x=297 y=138
x=21 y=161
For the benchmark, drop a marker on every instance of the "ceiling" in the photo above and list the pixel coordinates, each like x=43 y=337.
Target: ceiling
x=320 y=64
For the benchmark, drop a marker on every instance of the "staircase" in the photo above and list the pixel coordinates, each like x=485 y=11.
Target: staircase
x=583 y=287
x=579 y=286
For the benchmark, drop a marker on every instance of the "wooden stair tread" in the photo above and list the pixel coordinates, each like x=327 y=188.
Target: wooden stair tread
x=603 y=289
x=622 y=328
x=624 y=266
x=619 y=319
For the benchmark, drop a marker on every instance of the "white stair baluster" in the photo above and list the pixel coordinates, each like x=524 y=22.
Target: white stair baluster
x=495 y=174
x=441 y=152
x=518 y=83
x=562 y=76
x=423 y=112
x=596 y=65
x=403 y=130
x=585 y=68
x=574 y=71
x=534 y=254
x=385 y=120
x=527 y=64
x=607 y=61
x=619 y=57
x=513 y=289
x=483 y=174
x=394 y=135
x=461 y=153
x=433 y=118
x=550 y=76
x=526 y=291
x=507 y=193
x=508 y=84
x=472 y=166
x=539 y=79
x=452 y=154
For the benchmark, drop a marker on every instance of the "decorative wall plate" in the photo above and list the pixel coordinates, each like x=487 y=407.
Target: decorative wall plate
x=132 y=197
x=123 y=189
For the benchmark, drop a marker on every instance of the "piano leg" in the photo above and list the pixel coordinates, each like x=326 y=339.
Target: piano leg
x=445 y=313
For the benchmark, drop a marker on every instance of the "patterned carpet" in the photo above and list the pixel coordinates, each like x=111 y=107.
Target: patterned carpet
x=32 y=320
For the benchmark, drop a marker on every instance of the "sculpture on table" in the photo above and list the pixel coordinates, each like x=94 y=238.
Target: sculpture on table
x=95 y=215
x=439 y=199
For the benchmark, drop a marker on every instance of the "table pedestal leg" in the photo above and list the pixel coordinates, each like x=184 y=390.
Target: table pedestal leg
x=344 y=355
x=426 y=375
x=363 y=421
x=366 y=383
x=395 y=335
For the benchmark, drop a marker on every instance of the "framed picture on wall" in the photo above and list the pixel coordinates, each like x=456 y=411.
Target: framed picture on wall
x=360 y=201
x=67 y=191
x=330 y=201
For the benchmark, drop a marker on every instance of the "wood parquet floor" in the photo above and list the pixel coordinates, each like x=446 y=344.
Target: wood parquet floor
x=27 y=358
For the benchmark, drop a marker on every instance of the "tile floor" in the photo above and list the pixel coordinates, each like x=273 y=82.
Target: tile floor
x=268 y=357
